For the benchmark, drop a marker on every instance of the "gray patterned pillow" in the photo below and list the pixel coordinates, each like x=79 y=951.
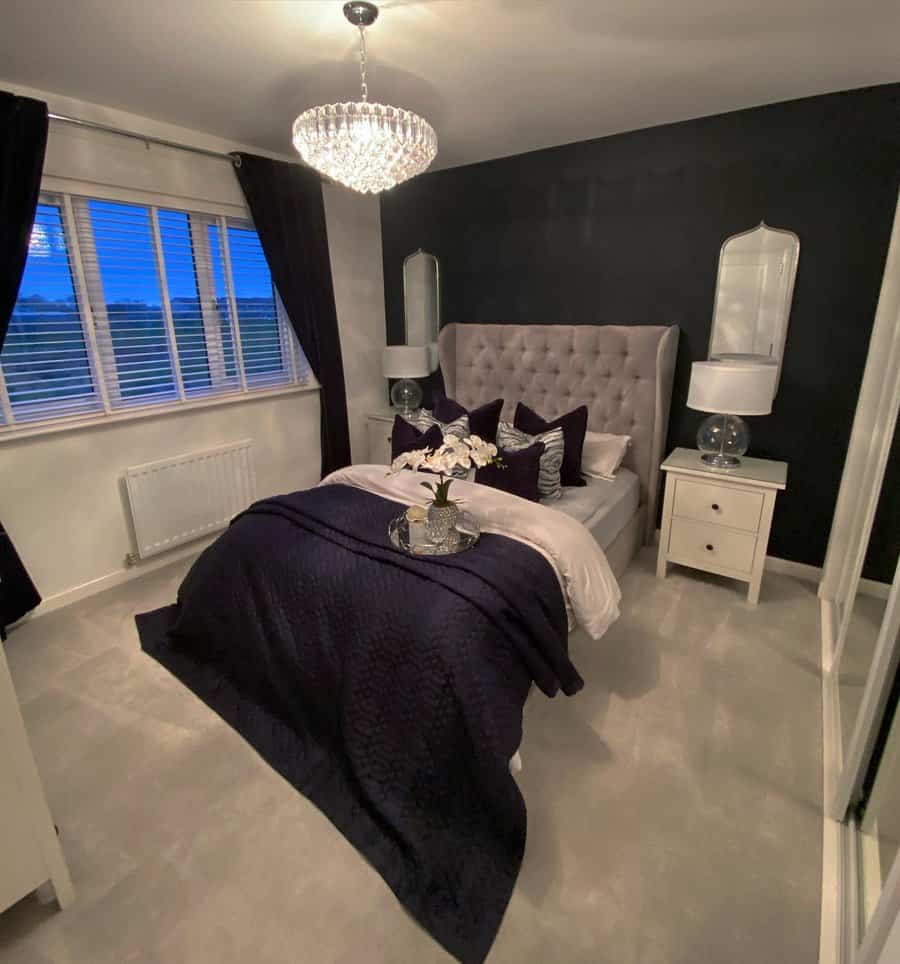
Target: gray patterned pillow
x=514 y=440
x=422 y=419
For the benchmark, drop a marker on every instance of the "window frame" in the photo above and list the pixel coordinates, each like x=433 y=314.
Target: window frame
x=72 y=197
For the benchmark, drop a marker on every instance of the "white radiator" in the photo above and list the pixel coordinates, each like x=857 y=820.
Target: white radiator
x=183 y=498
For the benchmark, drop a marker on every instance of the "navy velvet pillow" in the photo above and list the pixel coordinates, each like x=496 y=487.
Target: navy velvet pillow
x=407 y=438
x=519 y=475
x=483 y=420
x=574 y=426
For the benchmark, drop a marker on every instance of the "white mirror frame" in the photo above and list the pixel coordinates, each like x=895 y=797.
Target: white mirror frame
x=407 y=294
x=787 y=296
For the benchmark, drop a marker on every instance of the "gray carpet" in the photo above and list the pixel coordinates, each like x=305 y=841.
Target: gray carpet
x=674 y=805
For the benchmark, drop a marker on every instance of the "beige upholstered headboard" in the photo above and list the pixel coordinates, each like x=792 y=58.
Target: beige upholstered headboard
x=622 y=373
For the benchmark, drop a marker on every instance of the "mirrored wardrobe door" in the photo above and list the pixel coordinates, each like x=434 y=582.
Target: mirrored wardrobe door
x=874 y=824
x=866 y=599
x=878 y=819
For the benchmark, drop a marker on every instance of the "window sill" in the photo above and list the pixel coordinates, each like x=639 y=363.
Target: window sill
x=78 y=423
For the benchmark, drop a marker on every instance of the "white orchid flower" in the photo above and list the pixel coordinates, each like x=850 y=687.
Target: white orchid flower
x=483 y=452
x=400 y=462
x=453 y=446
x=439 y=462
x=413 y=460
x=417 y=458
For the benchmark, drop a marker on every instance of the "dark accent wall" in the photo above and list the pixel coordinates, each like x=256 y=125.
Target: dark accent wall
x=627 y=230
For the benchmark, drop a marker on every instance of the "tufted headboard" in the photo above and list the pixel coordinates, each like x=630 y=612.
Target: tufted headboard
x=622 y=373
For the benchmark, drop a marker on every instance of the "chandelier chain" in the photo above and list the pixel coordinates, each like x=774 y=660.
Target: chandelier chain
x=363 y=63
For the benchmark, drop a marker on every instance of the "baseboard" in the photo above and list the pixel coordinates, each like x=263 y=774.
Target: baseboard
x=802 y=570
x=808 y=573
x=869 y=587
x=799 y=570
x=787 y=567
x=117 y=578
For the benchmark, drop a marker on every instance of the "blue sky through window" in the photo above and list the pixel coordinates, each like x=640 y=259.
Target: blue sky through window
x=126 y=259
x=44 y=356
x=257 y=314
x=184 y=299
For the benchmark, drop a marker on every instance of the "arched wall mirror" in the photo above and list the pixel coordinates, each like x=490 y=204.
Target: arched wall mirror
x=421 y=298
x=754 y=291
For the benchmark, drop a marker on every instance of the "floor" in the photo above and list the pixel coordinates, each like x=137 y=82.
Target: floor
x=674 y=804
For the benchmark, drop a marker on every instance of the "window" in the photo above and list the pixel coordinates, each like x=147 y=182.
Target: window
x=45 y=358
x=125 y=305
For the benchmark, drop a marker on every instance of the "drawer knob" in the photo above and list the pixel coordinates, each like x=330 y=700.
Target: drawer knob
x=715 y=506
x=709 y=547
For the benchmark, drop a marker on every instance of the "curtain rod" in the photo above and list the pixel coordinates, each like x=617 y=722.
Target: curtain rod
x=94 y=125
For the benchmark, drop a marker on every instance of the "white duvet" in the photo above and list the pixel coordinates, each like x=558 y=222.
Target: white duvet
x=589 y=586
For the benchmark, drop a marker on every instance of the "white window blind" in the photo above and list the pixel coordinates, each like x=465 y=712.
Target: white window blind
x=125 y=305
x=45 y=362
x=263 y=337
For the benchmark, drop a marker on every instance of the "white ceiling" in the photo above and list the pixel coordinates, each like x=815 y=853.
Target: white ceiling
x=495 y=77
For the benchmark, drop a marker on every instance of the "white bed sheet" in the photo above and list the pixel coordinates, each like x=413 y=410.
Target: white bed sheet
x=603 y=507
x=589 y=587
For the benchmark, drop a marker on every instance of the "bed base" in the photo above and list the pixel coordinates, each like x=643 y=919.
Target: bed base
x=623 y=548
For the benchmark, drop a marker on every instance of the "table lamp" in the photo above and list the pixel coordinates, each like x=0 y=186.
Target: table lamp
x=729 y=390
x=406 y=362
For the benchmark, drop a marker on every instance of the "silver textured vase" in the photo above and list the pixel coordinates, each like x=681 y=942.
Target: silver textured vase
x=441 y=522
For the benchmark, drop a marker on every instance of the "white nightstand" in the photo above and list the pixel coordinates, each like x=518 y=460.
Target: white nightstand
x=380 y=425
x=718 y=520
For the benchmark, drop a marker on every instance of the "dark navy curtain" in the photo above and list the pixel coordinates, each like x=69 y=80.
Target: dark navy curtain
x=288 y=211
x=23 y=139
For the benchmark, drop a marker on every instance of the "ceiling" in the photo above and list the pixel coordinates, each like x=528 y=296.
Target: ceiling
x=495 y=77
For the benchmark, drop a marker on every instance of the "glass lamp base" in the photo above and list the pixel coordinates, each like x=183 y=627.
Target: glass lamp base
x=720 y=461
x=723 y=439
x=406 y=395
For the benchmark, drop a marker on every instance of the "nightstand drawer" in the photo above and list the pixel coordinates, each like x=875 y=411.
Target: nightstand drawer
x=702 y=545
x=719 y=504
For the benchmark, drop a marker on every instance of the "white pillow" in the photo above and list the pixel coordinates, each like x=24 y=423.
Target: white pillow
x=602 y=454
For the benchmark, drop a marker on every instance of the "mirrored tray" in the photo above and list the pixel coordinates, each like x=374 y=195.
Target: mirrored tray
x=463 y=537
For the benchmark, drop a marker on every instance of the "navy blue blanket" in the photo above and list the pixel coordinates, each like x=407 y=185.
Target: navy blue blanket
x=386 y=688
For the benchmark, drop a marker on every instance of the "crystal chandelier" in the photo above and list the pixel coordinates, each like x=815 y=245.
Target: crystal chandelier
x=365 y=146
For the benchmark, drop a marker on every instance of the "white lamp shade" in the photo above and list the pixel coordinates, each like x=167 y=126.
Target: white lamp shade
x=732 y=388
x=406 y=361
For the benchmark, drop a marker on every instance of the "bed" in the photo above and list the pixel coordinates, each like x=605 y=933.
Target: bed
x=623 y=374
x=388 y=689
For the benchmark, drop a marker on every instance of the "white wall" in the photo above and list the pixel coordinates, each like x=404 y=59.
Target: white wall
x=354 y=237
x=60 y=494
